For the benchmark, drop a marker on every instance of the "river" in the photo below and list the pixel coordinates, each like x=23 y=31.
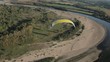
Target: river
x=105 y=43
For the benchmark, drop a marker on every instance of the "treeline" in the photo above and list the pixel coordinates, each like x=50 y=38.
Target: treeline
x=96 y=13
x=100 y=3
x=84 y=10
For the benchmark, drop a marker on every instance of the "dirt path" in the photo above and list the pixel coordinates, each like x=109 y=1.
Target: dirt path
x=91 y=35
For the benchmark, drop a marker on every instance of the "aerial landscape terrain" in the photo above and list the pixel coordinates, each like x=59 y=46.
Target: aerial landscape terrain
x=54 y=30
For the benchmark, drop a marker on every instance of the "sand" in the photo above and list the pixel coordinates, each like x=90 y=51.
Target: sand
x=91 y=36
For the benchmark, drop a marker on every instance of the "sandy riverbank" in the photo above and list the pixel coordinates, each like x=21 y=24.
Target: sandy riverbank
x=91 y=35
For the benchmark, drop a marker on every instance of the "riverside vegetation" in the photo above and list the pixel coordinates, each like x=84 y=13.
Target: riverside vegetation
x=24 y=29
x=83 y=8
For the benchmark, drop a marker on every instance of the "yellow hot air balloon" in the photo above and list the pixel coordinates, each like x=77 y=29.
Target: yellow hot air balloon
x=62 y=21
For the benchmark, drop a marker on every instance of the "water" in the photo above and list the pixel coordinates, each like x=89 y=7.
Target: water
x=106 y=42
